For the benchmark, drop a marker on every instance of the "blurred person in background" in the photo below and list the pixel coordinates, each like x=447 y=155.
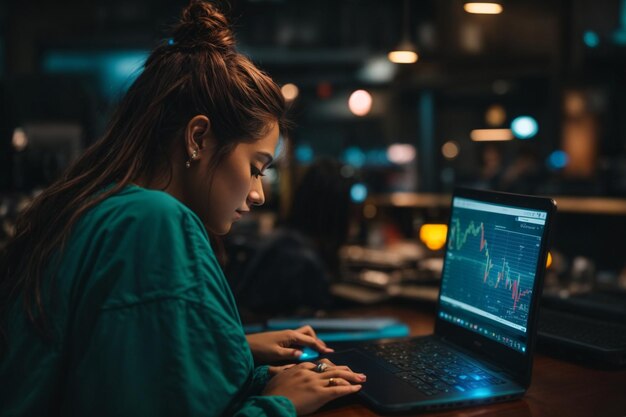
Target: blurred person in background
x=290 y=271
x=112 y=301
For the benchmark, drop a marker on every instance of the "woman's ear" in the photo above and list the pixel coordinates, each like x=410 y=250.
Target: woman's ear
x=198 y=136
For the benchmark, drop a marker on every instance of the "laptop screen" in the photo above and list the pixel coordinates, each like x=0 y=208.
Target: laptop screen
x=489 y=272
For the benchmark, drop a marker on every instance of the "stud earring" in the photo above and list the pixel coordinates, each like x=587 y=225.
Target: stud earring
x=194 y=154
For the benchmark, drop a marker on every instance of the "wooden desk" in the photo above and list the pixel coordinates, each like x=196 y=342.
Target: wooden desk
x=558 y=388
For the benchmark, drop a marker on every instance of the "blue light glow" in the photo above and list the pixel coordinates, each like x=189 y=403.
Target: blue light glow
x=354 y=156
x=591 y=39
x=524 y=127
x=557 y=160
x=358 y=193
x=481 y=392
x=280 y=148
x=377 y=157
x=304 y=153
x=115 y=70
x=308 y=354
x=388 y=331
x=619 y=37
x=121 y=70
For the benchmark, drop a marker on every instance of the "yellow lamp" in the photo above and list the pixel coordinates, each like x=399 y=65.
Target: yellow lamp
x=434 y=235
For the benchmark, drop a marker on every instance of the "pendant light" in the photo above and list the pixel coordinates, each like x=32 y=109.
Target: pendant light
x=491 y=7
x=405 y=52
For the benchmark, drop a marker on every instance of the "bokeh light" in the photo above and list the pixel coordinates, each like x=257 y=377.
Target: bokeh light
x=403 y=57
x=19 y=140
x=524 y=127
x=401 y=153
x=290 y=91
x=354 y=156
x=360 y=102
x=495 y=115
x=450 y=149
x=557 y=160
x=369 y=211
x=591 y=39
x=358 y=192
x=304 y=153
x=483 y=8
x=434 y=235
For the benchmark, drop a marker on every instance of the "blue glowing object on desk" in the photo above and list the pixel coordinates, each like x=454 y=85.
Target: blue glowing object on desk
x=524 y=127
x=308 y=354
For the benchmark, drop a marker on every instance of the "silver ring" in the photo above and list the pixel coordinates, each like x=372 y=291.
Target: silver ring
x=321 y=367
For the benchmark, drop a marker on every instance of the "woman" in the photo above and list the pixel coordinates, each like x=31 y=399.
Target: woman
x=112 y=300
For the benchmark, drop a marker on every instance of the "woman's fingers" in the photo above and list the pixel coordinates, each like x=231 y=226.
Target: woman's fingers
x=307 y=365
x=307 y=330
x=306 y=336
x=348 y=376
x=336 y=373
x=274 y=370
x=285 y=353
x=331 y=382
x=330 y=364
x=341 y=390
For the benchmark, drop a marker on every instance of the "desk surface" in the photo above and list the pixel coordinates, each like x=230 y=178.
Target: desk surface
x=558 y=388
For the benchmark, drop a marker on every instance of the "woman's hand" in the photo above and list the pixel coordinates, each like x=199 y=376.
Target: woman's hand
x=308 y=390
x=284 y=345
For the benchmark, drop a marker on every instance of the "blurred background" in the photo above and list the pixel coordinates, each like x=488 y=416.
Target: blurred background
x=395 y=103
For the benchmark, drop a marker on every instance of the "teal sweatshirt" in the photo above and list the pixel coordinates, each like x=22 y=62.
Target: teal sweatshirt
x=144 y=324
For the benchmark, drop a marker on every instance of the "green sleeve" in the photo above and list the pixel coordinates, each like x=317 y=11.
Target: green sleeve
x=161 y=359
x=167 y=340
x=257 y=405
x=261 y=377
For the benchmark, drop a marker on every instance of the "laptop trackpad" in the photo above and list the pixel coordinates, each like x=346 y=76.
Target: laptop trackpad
x=381 y=386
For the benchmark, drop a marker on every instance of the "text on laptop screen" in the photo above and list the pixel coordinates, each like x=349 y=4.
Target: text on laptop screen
x=491 y=260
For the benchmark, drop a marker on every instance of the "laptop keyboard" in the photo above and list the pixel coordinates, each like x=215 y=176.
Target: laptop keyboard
x=432 y=368
x=583 y=330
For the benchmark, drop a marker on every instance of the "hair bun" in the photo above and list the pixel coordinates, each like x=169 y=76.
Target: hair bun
x=202 y=24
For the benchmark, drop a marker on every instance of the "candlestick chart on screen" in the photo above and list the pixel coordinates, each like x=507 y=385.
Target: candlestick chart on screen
x=491 y=266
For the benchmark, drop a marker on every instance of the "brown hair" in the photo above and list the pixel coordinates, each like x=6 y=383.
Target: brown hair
x=197 y=71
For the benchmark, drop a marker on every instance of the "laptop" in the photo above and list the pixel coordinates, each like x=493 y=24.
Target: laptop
x=486 y=322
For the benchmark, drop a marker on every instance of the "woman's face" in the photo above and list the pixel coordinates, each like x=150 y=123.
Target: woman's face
x=235 y=186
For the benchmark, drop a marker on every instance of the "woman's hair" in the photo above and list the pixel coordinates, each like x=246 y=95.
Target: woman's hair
x=196 y=71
